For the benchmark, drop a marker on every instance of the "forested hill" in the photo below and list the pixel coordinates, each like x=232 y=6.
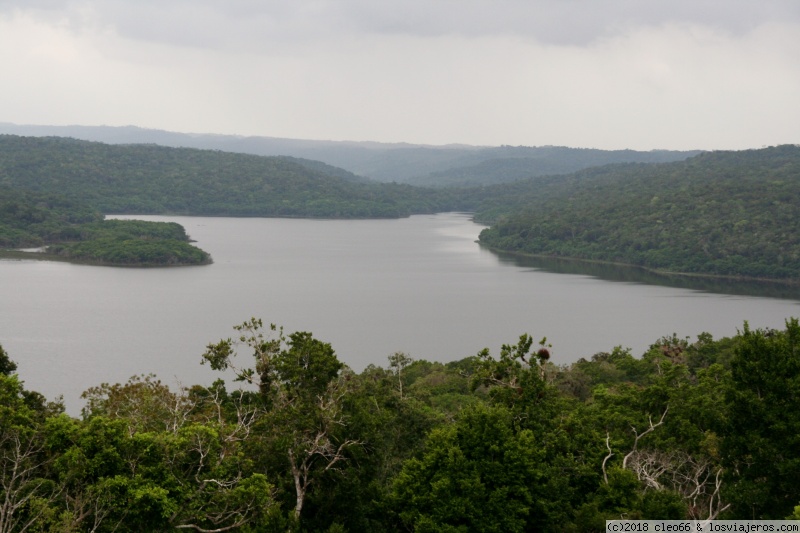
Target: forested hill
x=155 y=179
x=719 y=213
x=422 y=165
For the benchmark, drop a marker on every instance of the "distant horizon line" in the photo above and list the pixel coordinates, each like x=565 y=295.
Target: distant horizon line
x=377 y=144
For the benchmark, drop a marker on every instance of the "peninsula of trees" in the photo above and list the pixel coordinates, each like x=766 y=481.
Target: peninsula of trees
x=731 y=214
x=64 y=229
x=704 y=429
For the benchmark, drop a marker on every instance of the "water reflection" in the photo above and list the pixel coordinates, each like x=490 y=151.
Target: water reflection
x=610 y=272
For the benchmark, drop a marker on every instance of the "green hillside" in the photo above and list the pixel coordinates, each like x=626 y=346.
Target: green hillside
x=719 y=213
x=154 y=179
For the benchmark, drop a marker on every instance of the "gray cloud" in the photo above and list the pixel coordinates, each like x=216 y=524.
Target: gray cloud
x=247 y=23
x=602 y=73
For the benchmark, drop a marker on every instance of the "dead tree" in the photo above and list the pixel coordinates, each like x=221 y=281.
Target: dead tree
x=21 y=463
x=315 y=450
x=638 y=436
x=697 y=480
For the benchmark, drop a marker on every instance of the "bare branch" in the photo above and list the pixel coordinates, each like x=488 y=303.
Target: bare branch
x=609 y=456
x=697 y=480
x=218 y=530
x=638 y=436
x=21 y=461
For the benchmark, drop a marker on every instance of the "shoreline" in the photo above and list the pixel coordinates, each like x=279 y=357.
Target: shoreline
x=22 y=255
x=664 y=273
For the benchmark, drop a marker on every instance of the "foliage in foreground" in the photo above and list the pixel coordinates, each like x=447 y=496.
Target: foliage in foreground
x=689 y=430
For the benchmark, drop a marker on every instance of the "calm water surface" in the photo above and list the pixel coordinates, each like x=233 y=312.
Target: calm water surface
x=419 y=285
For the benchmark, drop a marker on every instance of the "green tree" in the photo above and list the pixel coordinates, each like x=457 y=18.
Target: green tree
x=480 y=474
x=7 y=366
x=27 y=494
x=392 y=422
x=302 y=387
x=147 y=457
x=570 y=448
x=761 y=444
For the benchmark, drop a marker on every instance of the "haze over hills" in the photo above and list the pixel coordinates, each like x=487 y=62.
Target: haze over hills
x=422 y=165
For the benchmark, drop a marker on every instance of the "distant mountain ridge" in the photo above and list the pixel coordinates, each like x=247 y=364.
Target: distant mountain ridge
x=422 y=165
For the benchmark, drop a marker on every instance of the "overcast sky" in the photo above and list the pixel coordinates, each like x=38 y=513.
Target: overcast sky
x=642 y=74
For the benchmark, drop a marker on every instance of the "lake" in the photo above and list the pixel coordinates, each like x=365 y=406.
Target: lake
x=420 y=285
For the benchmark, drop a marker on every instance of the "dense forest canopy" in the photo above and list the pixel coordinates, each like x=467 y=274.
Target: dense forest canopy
x=159 y=180
x=29 y=219
x=719 y=213
x=703 y=429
